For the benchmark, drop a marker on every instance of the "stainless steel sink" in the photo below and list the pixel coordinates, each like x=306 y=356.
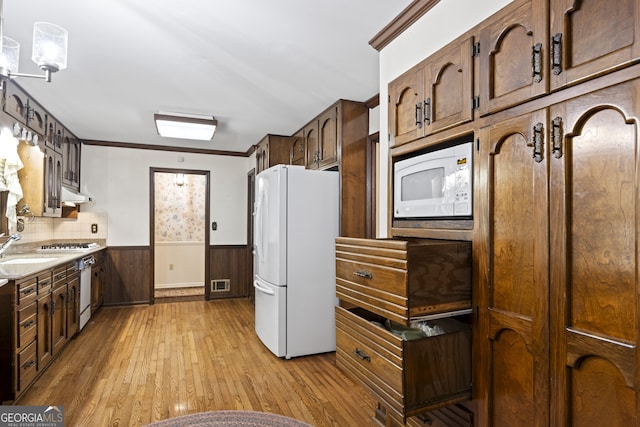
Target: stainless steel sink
x=26 y=261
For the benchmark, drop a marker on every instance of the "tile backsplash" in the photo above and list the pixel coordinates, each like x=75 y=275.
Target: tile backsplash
x=40 y=228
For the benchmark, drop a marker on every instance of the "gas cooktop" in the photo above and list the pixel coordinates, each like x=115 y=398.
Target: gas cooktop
x=68 y=247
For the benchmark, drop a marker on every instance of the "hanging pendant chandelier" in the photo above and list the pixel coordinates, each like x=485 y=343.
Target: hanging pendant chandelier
x=49 y=50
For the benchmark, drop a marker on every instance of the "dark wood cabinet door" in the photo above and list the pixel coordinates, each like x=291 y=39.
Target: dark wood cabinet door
x=15 y=103
x=594 y=269
x=512 y=269
x=59 y=319
x=97 y=287
x=328 y=137
x=449 y=87
x=73 y=305
x=513 y=56
x=71 y=161
x=592 y=37
x=44 y=351
x=52 y=183
x=405 y=107
x=262 y=159
x=313 y=145
x=298 y=154
x=54 y=134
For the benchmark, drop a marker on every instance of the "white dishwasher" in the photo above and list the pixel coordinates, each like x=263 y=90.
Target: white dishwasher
x=85 y=288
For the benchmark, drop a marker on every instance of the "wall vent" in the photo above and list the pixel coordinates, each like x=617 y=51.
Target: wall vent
x=220 y=285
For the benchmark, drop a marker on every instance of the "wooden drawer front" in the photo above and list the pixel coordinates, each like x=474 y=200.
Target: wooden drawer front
x=403 y=279
x=411 y=376
x=384 y=251
x=26 y=291
x=26 y=366
x=44 y=283
x=59 y=277
x=360 y=353
x=379 y=289
x=27 y=322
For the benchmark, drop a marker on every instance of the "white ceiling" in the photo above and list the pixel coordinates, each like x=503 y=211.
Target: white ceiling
x=258 y=66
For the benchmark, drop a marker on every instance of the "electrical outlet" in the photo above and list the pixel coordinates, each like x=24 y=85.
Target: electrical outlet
x=94 y=228
x=170 y=266
x=214 y=226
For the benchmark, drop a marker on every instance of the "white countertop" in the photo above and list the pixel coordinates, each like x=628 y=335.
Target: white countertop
x=10 y=270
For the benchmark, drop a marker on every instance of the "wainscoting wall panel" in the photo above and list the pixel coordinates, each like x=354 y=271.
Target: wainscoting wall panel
x=128 y=275
x=129 y=269
x=230 y=262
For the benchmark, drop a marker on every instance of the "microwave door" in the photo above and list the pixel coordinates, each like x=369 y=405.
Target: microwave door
x=420 y=191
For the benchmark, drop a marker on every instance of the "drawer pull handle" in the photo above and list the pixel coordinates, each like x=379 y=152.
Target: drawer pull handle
x=28 y=323
x=28 y=291
x=362 y=355
x=29 y=364
x=362 y=273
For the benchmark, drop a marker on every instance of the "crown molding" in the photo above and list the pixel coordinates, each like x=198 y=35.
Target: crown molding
x=404 y=20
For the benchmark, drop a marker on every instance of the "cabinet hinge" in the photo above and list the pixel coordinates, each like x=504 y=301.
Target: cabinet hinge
x=475 y=50
x=476 y=102
x=389 y=99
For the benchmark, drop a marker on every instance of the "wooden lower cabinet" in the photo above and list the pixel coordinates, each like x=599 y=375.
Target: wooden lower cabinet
x=40 y=313
x=384 y=287
x=97 y=282
x=557 y=325
x=59 y=309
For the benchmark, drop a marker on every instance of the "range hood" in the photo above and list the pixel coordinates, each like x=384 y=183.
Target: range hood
x=72 y=197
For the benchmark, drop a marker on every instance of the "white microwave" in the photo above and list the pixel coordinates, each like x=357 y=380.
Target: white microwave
x=437 y=184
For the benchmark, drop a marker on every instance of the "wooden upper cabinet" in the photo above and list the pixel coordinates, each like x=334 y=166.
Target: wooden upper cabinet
x=19 y=106
x=405 y=107
x=434 y=95
x=449 y=87
x=298 y=153
x=584 y=44
x=273 y=150
x=54 y=135
x=262 y=156
x=328 y=137
x=313 y=144
x=71 y=161
x=513 y=56
x=15 y=103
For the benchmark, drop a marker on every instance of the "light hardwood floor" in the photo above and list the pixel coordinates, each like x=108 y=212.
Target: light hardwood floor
x=134 y=365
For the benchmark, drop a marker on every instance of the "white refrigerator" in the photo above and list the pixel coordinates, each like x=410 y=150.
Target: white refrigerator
x=296 y=220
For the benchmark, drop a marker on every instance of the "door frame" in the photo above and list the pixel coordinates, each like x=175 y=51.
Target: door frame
x=251 y=190
x=152 y=220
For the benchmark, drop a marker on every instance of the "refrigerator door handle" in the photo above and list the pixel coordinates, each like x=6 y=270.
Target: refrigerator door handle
x=261 y=289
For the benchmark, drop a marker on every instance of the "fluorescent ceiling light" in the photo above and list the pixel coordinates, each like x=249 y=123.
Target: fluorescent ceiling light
x=183 y=126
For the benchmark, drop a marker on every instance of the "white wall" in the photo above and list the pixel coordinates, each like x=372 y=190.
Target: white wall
x=178 y=264
x=442 y=24
x=118 y=181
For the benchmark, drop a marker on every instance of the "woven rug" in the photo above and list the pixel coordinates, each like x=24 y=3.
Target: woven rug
x=232 y=419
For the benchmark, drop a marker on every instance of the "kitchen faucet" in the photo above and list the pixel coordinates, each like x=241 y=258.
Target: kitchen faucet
x=8 y=243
